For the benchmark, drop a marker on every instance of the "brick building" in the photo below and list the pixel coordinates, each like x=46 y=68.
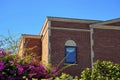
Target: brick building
x=65 y=41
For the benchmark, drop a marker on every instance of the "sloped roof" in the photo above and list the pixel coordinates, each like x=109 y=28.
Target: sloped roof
x=108 y=21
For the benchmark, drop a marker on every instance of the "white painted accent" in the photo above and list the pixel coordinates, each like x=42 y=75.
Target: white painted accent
x=108 y=21
x=49 y=44
x=44 y=26
x=71 y=29
x=70 y=43
x=72 y=20
x=91 y=46
x=106 y=27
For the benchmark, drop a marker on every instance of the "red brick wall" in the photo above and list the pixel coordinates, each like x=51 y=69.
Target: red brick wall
x=69 y=25
x=82 y=39
x=107 y=45
x=34 y=43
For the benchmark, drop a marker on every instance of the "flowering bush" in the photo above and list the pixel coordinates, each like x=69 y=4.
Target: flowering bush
x=102 y=70
x=14 y=68
x=65 y=76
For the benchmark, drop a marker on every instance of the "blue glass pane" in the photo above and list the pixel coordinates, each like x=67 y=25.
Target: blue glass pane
x=70 y=54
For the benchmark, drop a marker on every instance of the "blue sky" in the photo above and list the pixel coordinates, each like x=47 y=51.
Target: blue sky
x=27 y=16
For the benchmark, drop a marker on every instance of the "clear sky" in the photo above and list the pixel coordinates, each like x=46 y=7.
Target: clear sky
x=27 y=16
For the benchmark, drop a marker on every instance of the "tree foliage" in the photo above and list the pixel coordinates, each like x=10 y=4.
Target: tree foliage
x=64 y=76
x=9 y=42
x=102 y=70
x=12 y=67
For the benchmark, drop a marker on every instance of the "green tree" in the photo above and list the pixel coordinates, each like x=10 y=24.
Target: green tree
x=102 y=70
x=9 y=43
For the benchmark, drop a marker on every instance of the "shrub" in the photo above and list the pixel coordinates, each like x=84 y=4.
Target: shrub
x=64 y=76
x=12 y=67
x=104 y=70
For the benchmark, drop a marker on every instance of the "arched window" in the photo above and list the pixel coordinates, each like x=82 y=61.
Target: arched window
x=70 y=51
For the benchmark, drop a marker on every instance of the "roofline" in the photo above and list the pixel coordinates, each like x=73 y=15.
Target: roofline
x=107 y=21
x=87 y=21
x=51 y=18
x=30 y=36
x=72 y=20
x=43 y=27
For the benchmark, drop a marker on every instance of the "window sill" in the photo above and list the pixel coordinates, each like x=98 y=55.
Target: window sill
x=70 y=64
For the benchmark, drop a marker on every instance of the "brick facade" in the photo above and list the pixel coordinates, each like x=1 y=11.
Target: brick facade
x=70 y=25
x=30 y=44
x=94 y=40
x=82 y=39
x=107 y=45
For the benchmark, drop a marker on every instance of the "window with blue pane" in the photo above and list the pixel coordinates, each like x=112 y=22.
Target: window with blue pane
x=70 y=52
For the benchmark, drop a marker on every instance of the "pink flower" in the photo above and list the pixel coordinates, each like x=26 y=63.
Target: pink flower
x=17 y=64
x=2 y=52
x=11 y=72
x=54 y=69
x=20 y=70
x=41 y=66
x=2 y=66
x=47 y=76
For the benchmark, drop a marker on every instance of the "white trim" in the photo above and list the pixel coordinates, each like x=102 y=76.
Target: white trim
x=70 y=43
x=70 y=29
x=91 y=46
x=49 y=44
x=44 y=26
x=72 y=20
x=106 y=27
x=108 y=21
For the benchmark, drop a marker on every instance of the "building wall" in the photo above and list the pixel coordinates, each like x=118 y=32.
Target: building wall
x=103 y=41
x=60 y=36
x=20 y=50
x=106 y=44
x=45 y=44
x=33 y=45
x=75 y=25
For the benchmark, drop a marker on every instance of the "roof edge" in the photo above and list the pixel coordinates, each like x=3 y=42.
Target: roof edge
x=30 y=36
x=107 y=22
x=51 y=18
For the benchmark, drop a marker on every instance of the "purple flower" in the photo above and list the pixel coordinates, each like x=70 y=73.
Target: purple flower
x=54 y=69
x=20 y=69
x=47 y=76
x=15 y=79
x=2 y=52
x=17 y=64
x=2 y=66
x=11 y=72
x=24 y=55
x=41 y=66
